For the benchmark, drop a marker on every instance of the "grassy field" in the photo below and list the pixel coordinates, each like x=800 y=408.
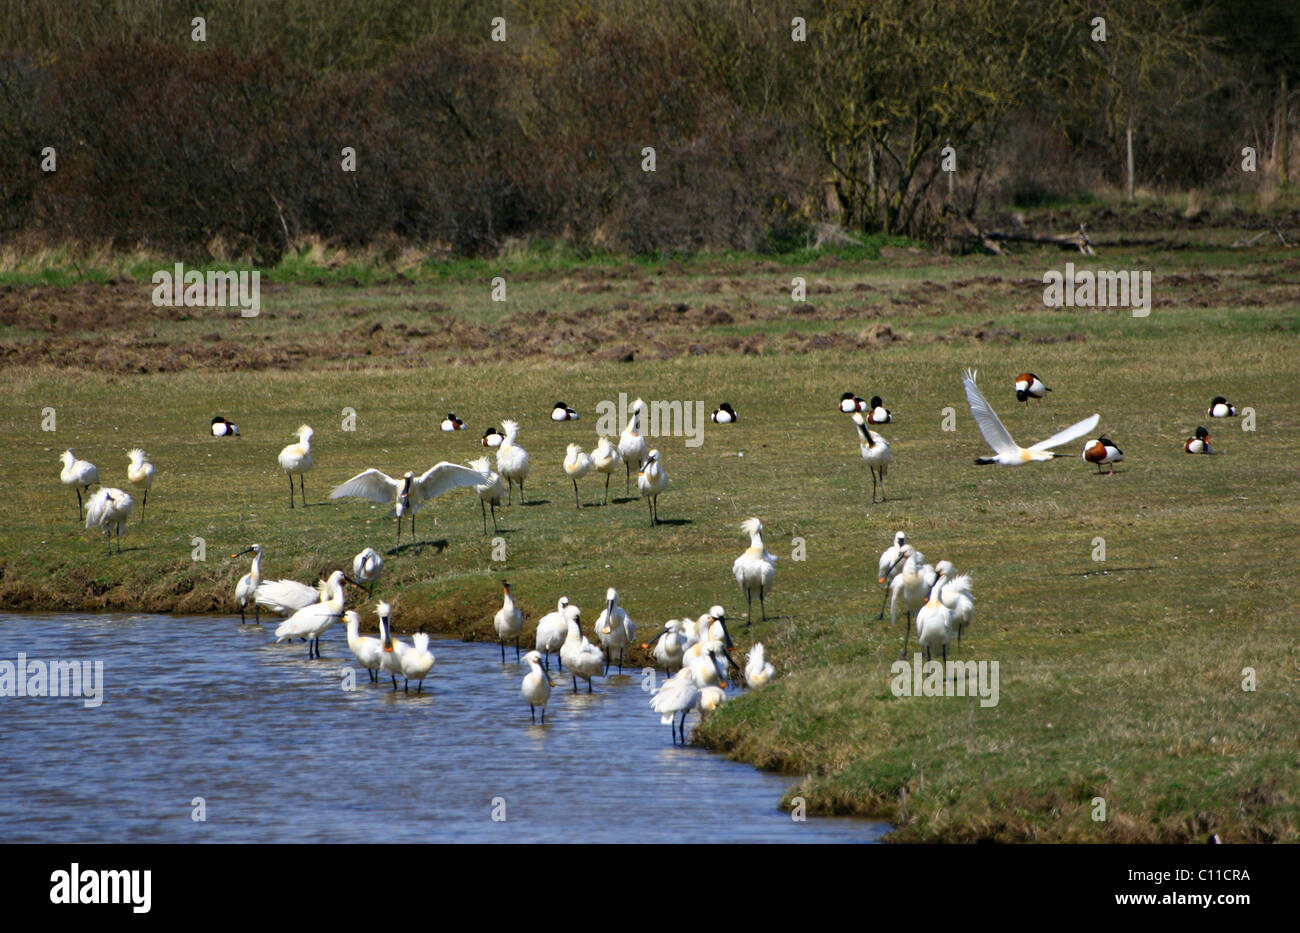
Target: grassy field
x=1120 y=679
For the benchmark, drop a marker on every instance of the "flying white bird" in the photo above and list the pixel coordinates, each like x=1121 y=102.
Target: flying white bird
x=605 y=459
x=576 y=465
x=875 y=452
x=410 y=492
x=758 y=672
x=650 y=481
x=140 y=472
x=488 y=490
x=312 y=621
x=631 y=445
x=755 y=569
x=537 y=685
x=1009 y=453
x=508 y=623
x=366 y=567
x=109 y=508
x=246 y=588
x=79 y=474
x=296 y=460
x=512 y=462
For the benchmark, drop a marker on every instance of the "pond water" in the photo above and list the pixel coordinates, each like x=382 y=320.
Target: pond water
x=203 y=707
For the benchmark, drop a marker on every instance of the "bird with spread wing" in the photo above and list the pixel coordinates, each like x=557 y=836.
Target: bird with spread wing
x=1009 y=453
x=410 y=492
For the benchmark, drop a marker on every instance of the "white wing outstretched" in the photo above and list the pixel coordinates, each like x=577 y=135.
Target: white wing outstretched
x=1069 y=434
x=375 y=485
x=443 y=477
x=987 y=419
x=286 y=597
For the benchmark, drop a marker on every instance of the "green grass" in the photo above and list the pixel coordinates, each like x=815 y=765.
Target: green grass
x=1119 y=679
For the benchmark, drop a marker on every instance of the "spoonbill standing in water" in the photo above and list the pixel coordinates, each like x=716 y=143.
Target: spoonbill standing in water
x=615 y=629
x=581 y=657
x=755 y=569
x=677 y=694
x=512 y=462
x=246 y=588
x=508 y=623
x=296 y=460
x=109 y=508
x=391 y=649
x=140 y=473
x=417 y=661
x=312 y=621
x=875 y=452
x=79 y=474
x=553 y=629
x=536 y=687
x=366 y=649
x=410 y=492
x=1009 y=453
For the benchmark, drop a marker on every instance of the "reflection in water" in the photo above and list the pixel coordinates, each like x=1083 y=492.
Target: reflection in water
x=280 y=751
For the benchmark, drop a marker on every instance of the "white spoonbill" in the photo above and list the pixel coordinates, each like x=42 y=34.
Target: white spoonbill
x=312 y=621
x=934 y=623
x=366 y=568
x=512 y=462
x=875 y=452
x=417 y=661
x=631 y=445
x=650 y=482
x=909 y=588
x=79 y=474
x=553 y=628
x=109 y=508
x=390 y=648
x=605 y=459
x=537 y=685
x=285 y=597
x=296 y=460
x=488 y=490
x=221 y=427
x=576 y=465
x=409 y=493
x=246 y=588
x=508 y=623
x=758 y=672
x=669 y=646
x=365 y=649
x=581 y=657
x=140 y=472
x=886 y=569
x=956 y=595
x=678 y=694
x=615 y=629
x=755 y=569
x=1009 y=453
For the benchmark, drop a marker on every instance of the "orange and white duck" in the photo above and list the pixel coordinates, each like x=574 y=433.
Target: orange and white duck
x=1199 y=443
x=562 y=412
x=850 y=403
x=878 y=413
x=452 y=423
x=1030 y=386
x=1102 y=450
x=492 y=438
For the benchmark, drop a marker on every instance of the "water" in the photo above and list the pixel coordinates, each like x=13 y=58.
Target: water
x=204 y=707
